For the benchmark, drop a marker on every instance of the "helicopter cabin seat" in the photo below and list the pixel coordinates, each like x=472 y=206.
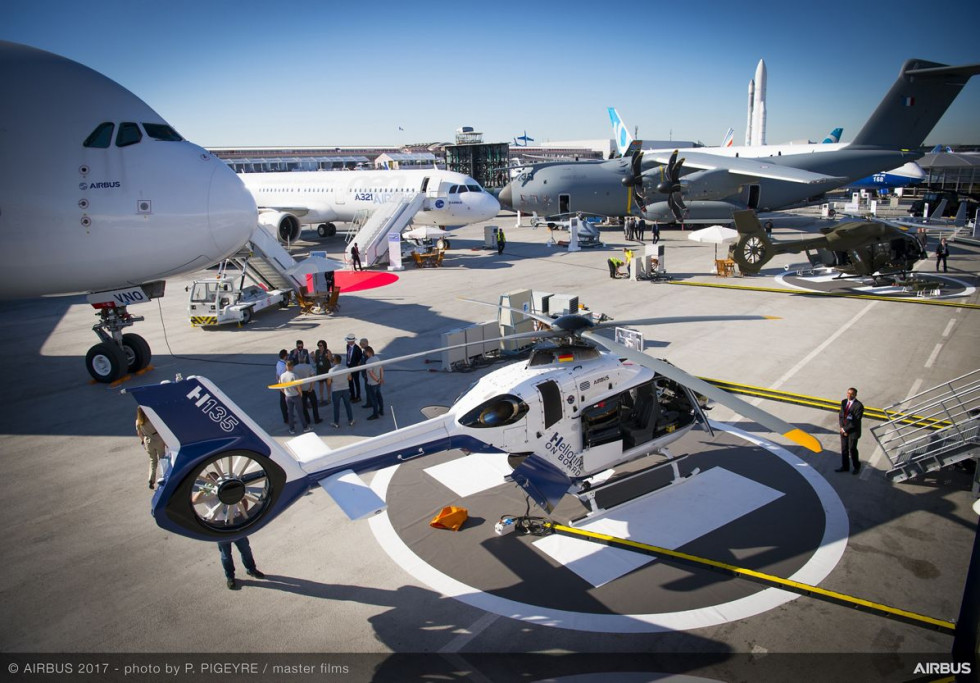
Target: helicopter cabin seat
x=638 y=427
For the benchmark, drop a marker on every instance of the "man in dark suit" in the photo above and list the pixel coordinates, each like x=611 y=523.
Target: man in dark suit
x=851 y=412
x=354 y=357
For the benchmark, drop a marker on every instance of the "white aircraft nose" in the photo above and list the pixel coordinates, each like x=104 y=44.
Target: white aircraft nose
x=232 y=214
x=488 y=206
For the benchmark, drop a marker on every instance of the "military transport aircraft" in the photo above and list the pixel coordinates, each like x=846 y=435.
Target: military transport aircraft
x=581 y=405
x=708 y=184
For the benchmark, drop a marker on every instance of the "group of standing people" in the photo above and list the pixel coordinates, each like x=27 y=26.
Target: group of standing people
x=634 y=230
x=297 y=403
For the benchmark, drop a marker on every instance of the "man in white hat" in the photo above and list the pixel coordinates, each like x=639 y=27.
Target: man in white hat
x=354 y=358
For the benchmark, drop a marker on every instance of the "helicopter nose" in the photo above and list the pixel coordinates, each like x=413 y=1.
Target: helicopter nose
x=505 y=198
x=232 y=214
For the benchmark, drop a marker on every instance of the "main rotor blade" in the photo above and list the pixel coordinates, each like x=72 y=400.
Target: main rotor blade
x=534 y=316
x=767 y=420
x=669 y=320
x=343 y=372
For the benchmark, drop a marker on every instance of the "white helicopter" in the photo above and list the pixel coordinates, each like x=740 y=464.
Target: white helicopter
x=579 y=406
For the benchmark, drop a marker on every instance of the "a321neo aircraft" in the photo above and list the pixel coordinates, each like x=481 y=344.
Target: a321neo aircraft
x=708 y=184
x=287 y=201
x=858 y=248
x=100 y=195
x=581 y=405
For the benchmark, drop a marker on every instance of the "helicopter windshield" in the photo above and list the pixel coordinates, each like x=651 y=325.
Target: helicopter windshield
x=498 y=411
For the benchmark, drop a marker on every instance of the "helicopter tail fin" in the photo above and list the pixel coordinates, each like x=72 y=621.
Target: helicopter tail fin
x=542 y=481
x=225 y=477
x=753 y=248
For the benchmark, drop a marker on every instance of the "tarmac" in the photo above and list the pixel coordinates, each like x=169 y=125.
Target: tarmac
x=87 y=575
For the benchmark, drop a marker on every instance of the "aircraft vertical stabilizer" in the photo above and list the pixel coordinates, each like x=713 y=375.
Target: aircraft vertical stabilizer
x=912 y=108
x=621 y=133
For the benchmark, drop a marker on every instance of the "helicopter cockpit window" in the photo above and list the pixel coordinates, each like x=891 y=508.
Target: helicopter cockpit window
x=129 y=134
x=498 y=411
x=551 y=401
x=161 y=131
x=101 y=137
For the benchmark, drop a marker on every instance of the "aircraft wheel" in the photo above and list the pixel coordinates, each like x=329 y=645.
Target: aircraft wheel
x=326 y=230
x=106 y=362
x=137 y=352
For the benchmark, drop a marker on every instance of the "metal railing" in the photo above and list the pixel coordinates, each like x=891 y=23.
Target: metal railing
x=946 y=429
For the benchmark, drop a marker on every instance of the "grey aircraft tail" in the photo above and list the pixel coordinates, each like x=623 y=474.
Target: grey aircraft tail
x=912 y=108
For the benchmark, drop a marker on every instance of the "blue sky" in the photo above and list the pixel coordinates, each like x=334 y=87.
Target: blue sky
x=309 y=73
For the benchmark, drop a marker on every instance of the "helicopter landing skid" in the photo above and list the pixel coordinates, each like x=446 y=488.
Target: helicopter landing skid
x=588 y=496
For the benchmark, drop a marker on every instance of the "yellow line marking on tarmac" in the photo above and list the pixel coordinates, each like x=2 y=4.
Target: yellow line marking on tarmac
x=839 y=295
x=906 y=616
x=828 y=404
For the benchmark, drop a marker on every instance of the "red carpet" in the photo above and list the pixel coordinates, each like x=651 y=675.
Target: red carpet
x=355 y=281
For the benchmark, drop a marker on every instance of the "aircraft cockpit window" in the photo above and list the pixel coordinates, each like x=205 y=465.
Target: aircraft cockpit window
x=498 y=411
x=161 y=131
x=129 y=134
x=454 y=189
x=101 y=137
x=474 y=188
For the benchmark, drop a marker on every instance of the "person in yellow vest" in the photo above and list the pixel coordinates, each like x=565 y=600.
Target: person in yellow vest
x=614 y=265
x=628 y=255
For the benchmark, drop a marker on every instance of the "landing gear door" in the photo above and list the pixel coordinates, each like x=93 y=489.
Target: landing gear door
x=698 y=407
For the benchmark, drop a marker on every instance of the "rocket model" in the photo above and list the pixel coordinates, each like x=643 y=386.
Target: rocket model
x=755 y=128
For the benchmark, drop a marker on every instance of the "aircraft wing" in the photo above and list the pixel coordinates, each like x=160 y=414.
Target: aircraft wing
x=752 y=168
x=298 y=211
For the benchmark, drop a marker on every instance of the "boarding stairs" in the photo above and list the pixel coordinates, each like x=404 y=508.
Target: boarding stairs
x=268 y=263
x=372 y=237
x=934 y=429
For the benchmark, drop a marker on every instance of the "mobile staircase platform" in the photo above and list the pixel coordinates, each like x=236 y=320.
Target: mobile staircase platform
x=372 y=237
x=934 y=429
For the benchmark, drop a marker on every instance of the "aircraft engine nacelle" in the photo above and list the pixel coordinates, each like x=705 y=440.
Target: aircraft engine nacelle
x=709 y=185
x=285 y=226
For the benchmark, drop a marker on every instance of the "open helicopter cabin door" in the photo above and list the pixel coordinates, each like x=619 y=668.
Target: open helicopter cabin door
x=602 y=438
x=698 y=408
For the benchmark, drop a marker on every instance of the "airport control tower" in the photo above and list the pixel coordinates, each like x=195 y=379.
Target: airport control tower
x=484 y=162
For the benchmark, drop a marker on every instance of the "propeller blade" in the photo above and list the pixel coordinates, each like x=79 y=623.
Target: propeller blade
x=767 y=420
x=670 y=167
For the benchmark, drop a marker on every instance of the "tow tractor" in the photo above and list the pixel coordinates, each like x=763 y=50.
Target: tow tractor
x=226 y=299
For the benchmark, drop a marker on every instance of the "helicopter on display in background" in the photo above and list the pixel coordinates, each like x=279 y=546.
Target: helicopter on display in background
x=856 y=248
x=579 y=406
